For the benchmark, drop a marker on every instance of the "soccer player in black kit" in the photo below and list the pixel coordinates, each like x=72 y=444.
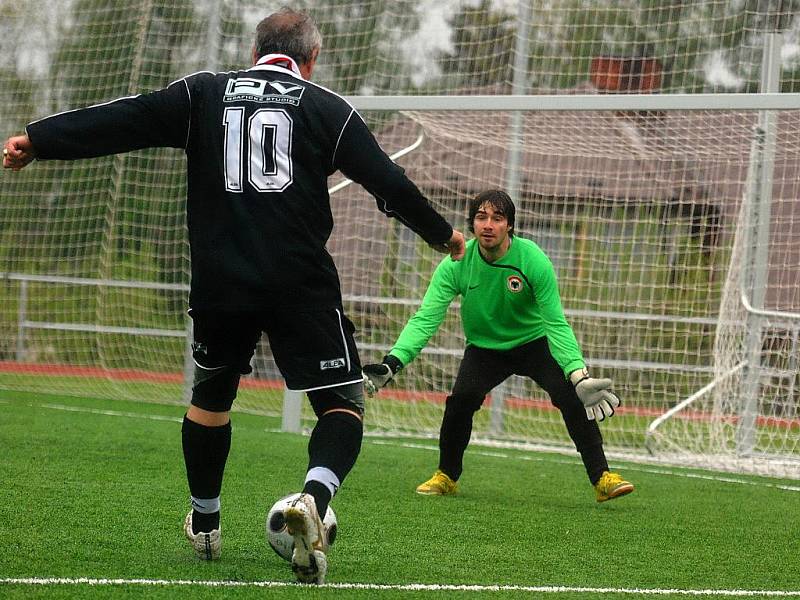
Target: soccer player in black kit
x=260 y=144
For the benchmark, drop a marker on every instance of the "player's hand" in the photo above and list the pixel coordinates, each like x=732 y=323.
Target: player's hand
x=595 y=394
x=455 y=246
x=18 y=152
x=377 y=376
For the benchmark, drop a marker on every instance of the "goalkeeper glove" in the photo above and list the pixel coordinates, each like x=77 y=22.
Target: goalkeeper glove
x=596 y=395
x=377 y=376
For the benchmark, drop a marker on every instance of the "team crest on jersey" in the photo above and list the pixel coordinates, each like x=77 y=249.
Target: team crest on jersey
x=514 y=283
x=331 y=363
x=260 y=90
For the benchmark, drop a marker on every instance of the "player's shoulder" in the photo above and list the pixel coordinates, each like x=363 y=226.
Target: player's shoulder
x=529 y=256
x=203 y=81
x=528 y=247
x=204 y=76
x=471 y=253
x=328 y=94
x=455 y=266
x=336 y=109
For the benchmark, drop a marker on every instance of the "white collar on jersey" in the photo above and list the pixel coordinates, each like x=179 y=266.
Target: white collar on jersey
x=278 y=61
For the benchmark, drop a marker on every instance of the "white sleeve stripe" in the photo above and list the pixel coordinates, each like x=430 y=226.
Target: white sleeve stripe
x=65 y=112
x=189 y=115
x=339 y=139
x=192 y=75
x=85 y=108
x=344 y=340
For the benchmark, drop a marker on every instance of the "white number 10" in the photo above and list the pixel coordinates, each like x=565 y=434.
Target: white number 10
x=267 y=154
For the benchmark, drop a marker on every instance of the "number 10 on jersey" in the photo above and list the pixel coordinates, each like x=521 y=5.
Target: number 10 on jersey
x=265 y=152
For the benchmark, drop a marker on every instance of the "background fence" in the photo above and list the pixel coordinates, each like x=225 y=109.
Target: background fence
x=668 y=205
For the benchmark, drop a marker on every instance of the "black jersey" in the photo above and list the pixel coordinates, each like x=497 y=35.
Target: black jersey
x=260 y=145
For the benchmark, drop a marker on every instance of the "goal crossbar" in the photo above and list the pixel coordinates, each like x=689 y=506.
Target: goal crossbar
x=562 y=102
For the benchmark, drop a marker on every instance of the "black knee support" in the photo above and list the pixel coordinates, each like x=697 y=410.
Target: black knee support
x=215 y=389
x=347 y=397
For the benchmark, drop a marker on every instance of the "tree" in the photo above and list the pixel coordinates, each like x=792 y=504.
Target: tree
x=360 y=42
x=483 y=41
x=101 y=211
x=682 y=34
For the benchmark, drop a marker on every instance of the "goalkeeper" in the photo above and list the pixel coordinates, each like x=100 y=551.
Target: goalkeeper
x=514 y=325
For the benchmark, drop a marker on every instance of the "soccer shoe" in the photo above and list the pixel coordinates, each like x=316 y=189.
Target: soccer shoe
x=309 y=563
x=438 y=485
x=610 y=486
x=207 y=545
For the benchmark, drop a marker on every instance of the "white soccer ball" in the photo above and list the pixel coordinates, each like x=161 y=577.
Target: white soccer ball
x=279 y=538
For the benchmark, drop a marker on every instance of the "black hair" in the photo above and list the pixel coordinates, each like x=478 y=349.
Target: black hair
x=498 y=200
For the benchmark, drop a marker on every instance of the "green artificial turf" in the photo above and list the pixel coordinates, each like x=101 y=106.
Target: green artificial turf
x=96 y=490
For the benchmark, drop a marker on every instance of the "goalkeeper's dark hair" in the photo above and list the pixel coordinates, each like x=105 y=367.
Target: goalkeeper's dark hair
x=498 y=200
x=290 y=32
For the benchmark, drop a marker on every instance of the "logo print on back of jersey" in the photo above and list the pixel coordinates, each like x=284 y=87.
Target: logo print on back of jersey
x=514 y=284
x=282 y=89
x=263 y=91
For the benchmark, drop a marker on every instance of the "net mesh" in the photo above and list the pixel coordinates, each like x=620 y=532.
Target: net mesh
x=650 y=217
x=645 y=218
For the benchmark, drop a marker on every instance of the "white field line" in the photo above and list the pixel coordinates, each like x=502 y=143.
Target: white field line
x=408 y=587
x=515 y=456
x=109 y=413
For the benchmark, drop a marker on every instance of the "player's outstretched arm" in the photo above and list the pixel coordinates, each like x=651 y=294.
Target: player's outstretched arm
x=455 y=246
x=596 y=395
x=18 y=152
x=378 y=375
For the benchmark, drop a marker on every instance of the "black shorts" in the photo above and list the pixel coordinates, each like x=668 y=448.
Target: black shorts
x=313 y=349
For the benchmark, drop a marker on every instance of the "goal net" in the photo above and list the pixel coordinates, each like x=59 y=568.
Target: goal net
x=648 y=217
x=668 y=207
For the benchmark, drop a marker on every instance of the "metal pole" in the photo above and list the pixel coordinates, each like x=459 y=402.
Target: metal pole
x=22 y=317
x=292 y=408
x=650 y=434
x=499 y=395
x=759 y=191
x=188 y=362
x=519 y=86
x=516 y=137
x=213 y=35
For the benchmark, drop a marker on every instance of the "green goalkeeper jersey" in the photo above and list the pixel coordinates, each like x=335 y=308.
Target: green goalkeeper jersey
x=504 y=304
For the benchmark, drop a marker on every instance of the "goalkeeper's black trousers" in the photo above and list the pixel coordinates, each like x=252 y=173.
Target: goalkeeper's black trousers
x=481 y=370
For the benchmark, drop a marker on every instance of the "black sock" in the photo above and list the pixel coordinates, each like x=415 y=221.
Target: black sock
x=594 y=460
x=205 y=452
x=322 y=496
x=204 y=521
x=587 y=438
x=334 y=445
x=454 y=437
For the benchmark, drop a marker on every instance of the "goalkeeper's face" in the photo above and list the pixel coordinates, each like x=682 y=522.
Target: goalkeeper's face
x=491 y=230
